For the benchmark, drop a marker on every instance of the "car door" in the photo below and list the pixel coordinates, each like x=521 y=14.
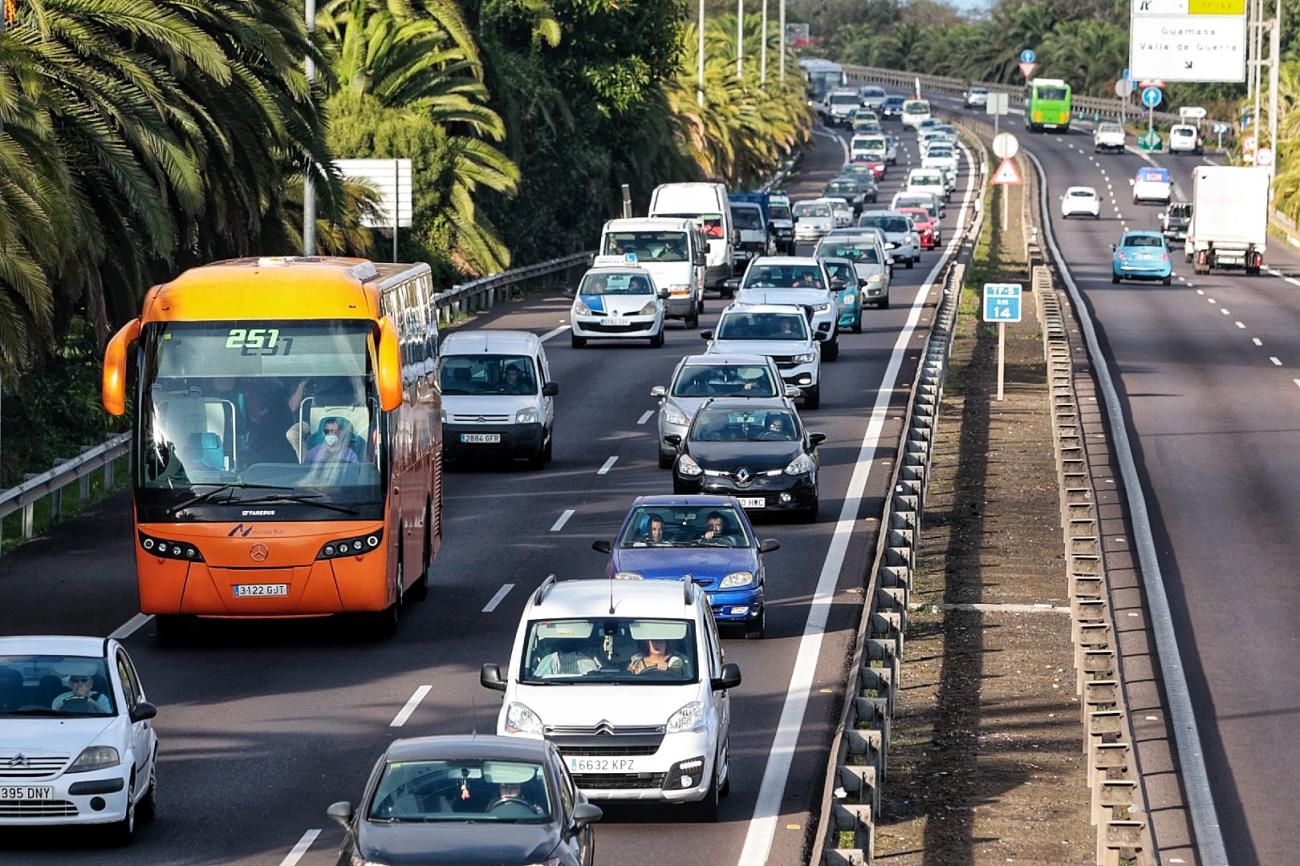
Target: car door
x=720 y=698
x=142 y=733
x=548 y=402
x=577 y=840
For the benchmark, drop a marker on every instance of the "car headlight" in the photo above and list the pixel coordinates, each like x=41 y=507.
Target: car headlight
x=876 y=278
x=443 y=414
x=526 y=416
x=805 y=358
x=689 y=467
x=628 y=575
x=736 y=579
x=521 y=720
x=581 y=309
x=821 y=308
x=95 y=758
x=801 y=465
x=849 y=299
x=675 y=417
x=648 y=310
x=912 y=239
x=688 y=718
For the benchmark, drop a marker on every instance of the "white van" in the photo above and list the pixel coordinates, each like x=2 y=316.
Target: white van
x=498 y=398
x=675 y=253
x=707 y=204
x=915 y=111
x=645 y=710
x=868 y=148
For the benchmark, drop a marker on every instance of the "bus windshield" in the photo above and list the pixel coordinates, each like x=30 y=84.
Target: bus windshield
x=1051 y=94
x=238 y=412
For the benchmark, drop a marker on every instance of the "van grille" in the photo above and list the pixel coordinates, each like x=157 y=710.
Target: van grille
x=618 y=781
x=481 y=419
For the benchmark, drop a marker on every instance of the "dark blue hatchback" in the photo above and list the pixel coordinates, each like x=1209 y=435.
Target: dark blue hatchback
x=706 y=538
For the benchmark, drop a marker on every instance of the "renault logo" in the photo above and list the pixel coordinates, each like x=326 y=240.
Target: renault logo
x=258 y=553
x=18 y=760
x=742 y=475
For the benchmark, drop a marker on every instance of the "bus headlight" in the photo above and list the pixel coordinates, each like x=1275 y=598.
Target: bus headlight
x=165 y=549
x=354 y=546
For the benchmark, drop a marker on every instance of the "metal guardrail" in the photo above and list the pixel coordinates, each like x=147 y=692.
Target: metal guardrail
x=93 y=458
x=482 y=294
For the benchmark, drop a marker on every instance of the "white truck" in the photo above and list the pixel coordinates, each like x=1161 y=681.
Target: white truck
x=1229 y=226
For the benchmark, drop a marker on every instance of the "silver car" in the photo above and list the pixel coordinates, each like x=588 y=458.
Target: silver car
x=902 y=243
x=701 y=377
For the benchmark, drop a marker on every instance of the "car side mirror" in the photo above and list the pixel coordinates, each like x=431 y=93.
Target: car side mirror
x=489 y=677
x=793 y=391
x=342 y=813
x=729 y=680
x=586 y=813
x=706 y=335
x=602 y=547
x=143 y=711
x=767 y=545
x=815 y=439
x=701 y=258
x=862 y=282
x=550 y=389
x=1160 y=216
x=658 y=391
x=673 y=439
x=1131 y=182
x=1112 y=248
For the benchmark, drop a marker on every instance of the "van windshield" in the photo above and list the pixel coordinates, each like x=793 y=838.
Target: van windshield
x=747 y=218
x=659 y=246
x=473 y=375
x=610 y=650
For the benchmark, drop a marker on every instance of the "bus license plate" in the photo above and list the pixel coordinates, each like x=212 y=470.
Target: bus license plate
x=752 y=502
x=27 y=792
x=243 y=590
x=481 y=438
x=601 y=765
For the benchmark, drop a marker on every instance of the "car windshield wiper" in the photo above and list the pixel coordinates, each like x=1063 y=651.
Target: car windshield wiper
x=301 y=498
x=221 y=488
x=42 y=711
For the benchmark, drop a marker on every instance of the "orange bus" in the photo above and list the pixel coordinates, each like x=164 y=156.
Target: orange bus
x=287 y=444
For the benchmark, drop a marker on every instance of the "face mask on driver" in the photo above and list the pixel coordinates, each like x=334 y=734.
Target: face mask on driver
x=331 y=439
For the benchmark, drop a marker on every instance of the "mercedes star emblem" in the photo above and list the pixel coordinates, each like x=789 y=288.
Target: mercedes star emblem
x=258 y=553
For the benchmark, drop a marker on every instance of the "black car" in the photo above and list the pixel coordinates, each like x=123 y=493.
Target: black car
x=850 y=189
x=755 y=450
x=1175 y=221
x=468 y=801
x=891 y=108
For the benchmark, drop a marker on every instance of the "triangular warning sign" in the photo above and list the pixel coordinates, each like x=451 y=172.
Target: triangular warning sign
x=1027 y=69
x=1007 y=173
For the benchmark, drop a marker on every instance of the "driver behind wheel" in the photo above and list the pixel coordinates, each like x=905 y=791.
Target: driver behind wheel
x=514 y=798
x=81 y=696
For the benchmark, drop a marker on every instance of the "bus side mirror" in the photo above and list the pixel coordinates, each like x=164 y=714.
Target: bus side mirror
x=113 y=385
x=390 y=366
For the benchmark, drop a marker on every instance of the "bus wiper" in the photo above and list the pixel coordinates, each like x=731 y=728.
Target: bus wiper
x=221 y=488
x=302 y=498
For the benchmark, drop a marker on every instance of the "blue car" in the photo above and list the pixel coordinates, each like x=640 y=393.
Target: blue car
x=706 y=538
x=844 y=280
x=1141 y=256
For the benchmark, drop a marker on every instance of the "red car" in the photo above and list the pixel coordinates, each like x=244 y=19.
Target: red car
x=927 y=228
x=877 y=167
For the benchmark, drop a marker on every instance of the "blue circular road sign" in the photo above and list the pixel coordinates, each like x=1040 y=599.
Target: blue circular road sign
x=1151 y=97
x=1028 y=56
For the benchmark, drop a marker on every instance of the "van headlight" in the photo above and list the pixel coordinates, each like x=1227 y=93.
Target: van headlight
x=675 y=417
x=628 y=575
x=805 y=358
x=648 y=310
x=875 y=278
x=801 y=465
x=581 y=309
x=521 y=720
x=737 y=579
x=688 y=718
x=527 y=415
x=95 y=758
x=688 y=467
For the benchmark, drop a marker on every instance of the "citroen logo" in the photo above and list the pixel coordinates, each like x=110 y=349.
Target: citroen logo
x=605 y=728
x=18 y=760
x=742 y=475
x=258 y=553
x=480 y=420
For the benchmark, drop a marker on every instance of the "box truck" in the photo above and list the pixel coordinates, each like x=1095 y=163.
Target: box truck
x=1229 y=227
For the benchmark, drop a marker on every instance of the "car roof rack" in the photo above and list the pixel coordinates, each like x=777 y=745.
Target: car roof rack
x=688 y=591
x=547 y=585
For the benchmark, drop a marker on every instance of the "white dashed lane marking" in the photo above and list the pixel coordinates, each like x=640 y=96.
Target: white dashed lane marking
x=1257 y=341
x=564 y=518
x=298 y=850
x=1277 y=362
x=499 y=597
x=645 y=416
x=409 y=708
x=606 y=466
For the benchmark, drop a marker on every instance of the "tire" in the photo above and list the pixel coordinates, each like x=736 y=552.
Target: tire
x=383 y=624
x=658 y=339
x=121 y=833
x=1167 y=281
x=725 y=788
x=666 y=460
x=706 y=811
x=148 y=808
x=810 y=514
x=755 y=630
x=857 y=325
x=692 y=321
x=832 y=352
x=727 y=292
x=548 y=450
x=419 y=590
x=1114 y=278
x=911 y=263
x=883 y=303
x=577 y=342
x=812 y=397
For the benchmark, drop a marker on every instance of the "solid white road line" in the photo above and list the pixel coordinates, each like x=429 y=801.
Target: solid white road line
x=762 y=827
x=411 y=704
x=1292 y=280
x=554 y=333
x=564 y=518
x=131 y=626
x=606 y=466
x=645 y=416
x=296 y=852
x=844 y=146
x=500 y=595
x=1277 y=362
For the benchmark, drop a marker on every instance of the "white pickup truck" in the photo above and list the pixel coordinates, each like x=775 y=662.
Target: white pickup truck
x=1108 y=136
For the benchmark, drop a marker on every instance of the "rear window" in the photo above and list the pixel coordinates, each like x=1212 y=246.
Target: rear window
x=747 y=218
x=1082 y=193
x=1183 y=132
x=1143 y=241
x=916 y=106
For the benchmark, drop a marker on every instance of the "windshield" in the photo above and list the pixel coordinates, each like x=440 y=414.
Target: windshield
x=849 y=187
x=487 y=374
x=610 y=650
x=513 y=792
x=54 y=686
x=916 y=106
x=1082 y=193
x=1053 y=94
x=601 y=282
x=285 y=405
x=779 y=212
x=844 y=99
x=660 y=246
x=925 y=202
x=861 y=252
x=842 y=273
x=724 y=380
x=763 y=326
x=742 y=425
x=684 y=526
x=747 y=218
x=784 y=277
x=893 y=225
x=802 y=210
x=1143 y=241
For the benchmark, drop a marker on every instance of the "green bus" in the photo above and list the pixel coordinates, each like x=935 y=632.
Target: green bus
x=1047 y=105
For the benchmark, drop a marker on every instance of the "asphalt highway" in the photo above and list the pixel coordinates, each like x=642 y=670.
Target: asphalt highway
x=263 y=725
x=1209 y=374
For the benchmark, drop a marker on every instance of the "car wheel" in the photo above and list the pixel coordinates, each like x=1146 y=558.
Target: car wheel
x=911 y=263
x=812 y=397
x=706 y=811
x=1168 y=280
x=832 y=351
x=857 y=324
x=548 y=451
x=1114 y=278
x=122 y=831
x=666 y=460
x=725 y=788
x=883 y=303
x=810 y=515
x=576 y=341
x=692 y=321
x=148 y=808
x=658 y=339
x=419 y=590
x=679 y=489
x=755 y=630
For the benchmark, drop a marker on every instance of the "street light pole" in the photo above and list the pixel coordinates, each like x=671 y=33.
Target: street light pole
x=1274 y=61
x=699 y=87
x=740 y=38
x=762 y=62
x=781 y=27
x=308 y=186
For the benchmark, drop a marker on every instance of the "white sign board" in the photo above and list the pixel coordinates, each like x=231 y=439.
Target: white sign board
x=392 y=178
x=1192 y=47
x=997 y=104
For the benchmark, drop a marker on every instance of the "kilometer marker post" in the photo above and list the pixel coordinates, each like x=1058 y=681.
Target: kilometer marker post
x=1002 y=305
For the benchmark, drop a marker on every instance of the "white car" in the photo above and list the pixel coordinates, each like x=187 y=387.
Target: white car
x=1081 y=201
x=929 y=180
x=902 y=243
x=1109 y=137
x=945 y=158
x=782 y=334
x=1152 y=184
x=841 y=211
x=1184 y=138
x=976 y=97
x=617 y=302
x=77 y=744
x=915 y=111
x=644 y=711
x=796 y=281
x=812 y=219
x=866 y=249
